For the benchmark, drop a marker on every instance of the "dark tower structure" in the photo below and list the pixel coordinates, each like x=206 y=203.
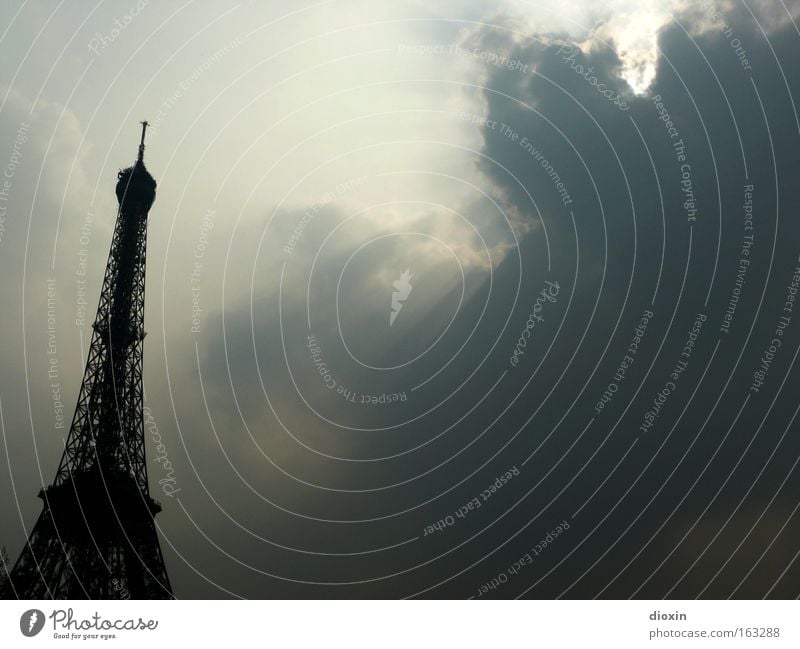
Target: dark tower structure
x=96 y=536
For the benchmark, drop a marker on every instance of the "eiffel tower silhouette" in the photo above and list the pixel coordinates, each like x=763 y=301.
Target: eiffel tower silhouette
x=96 y=536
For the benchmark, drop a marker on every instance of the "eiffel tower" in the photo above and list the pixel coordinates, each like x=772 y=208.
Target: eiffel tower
x=96 y=536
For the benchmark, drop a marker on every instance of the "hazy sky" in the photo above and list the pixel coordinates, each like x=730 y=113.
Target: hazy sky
x=589 y=361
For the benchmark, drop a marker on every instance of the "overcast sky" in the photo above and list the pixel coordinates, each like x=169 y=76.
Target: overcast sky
x=442 y=300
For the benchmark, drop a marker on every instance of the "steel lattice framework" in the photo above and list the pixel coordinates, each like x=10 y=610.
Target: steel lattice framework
x=96 y=536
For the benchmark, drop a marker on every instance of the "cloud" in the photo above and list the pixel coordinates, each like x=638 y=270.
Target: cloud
x=507 y=162
x=630 y=29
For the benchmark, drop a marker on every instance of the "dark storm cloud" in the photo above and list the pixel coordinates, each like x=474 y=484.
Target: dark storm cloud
x=618 y=202
x=681 y=483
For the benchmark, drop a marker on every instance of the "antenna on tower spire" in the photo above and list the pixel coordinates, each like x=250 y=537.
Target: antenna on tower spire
x=144 y=124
